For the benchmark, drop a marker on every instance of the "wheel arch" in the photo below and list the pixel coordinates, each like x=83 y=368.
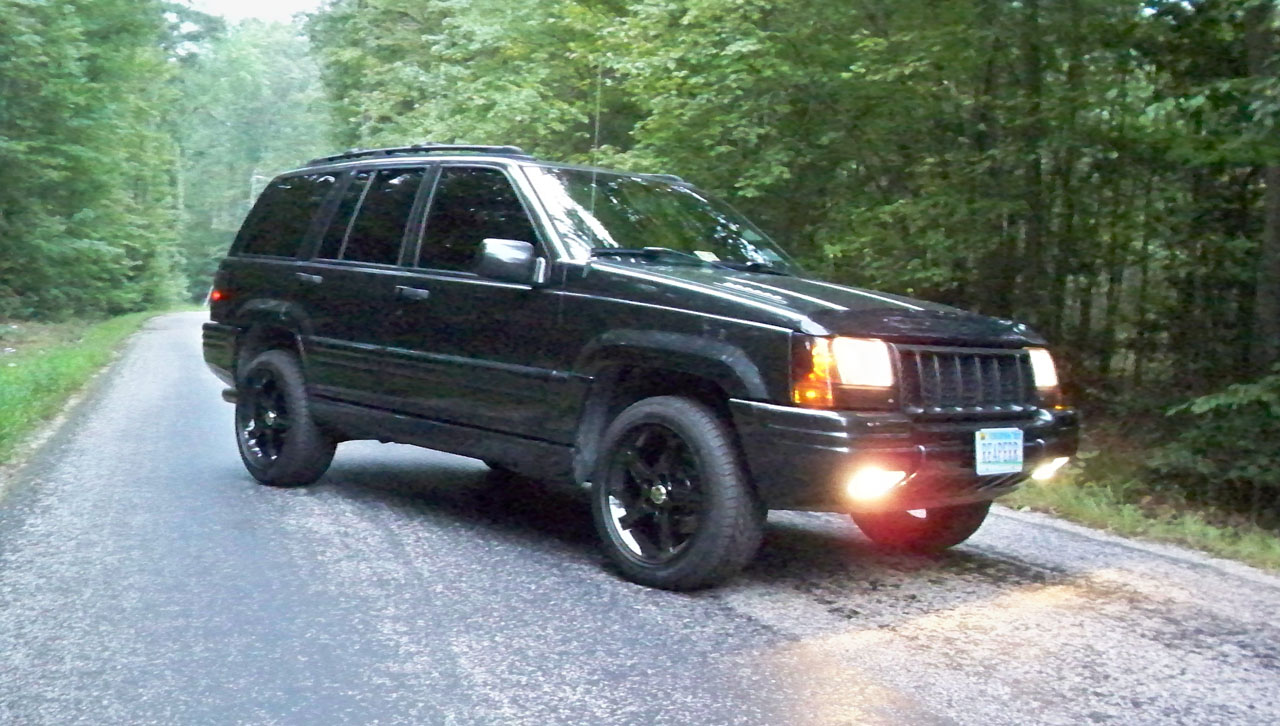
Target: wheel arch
x=622 y=375
x=267 y=325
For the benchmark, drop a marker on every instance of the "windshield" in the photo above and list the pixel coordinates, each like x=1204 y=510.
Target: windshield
x=598 y=212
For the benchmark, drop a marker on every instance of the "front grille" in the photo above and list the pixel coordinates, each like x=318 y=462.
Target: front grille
x=947 y=382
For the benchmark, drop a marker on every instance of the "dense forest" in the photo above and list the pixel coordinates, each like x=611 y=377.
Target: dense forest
x=135 y=134
x=1107 y=170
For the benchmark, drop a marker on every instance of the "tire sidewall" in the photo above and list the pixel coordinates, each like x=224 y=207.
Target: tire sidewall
x=720 y=476
x=305 y=453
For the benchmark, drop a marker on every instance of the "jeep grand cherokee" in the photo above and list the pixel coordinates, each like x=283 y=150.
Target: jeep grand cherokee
x=621 y=331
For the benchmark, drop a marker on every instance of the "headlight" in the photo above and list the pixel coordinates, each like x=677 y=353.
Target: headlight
x=863 y=363
x=821 y=366
x=1042 y=368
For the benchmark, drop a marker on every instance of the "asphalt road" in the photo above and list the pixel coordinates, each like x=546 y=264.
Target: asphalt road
x=146 y=579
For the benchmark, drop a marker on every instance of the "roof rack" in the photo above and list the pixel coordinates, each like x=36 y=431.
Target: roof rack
x=416 y=149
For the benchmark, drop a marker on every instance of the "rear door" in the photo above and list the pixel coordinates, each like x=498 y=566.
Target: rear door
x=467 y=349
x=350 y=280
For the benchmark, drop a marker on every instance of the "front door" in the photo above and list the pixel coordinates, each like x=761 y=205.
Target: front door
x=466 y=349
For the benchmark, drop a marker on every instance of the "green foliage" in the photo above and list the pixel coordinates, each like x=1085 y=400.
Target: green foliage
x=86 y=217
x=36 y=381
x=1228 y=452
x=1122 y=507
x=249 y=106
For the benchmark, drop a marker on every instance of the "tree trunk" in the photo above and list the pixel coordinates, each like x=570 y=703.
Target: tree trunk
x=1033 y=273
x=1261 y=47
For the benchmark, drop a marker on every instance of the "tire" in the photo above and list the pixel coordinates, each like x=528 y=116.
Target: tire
x=935 y=531
x=671 y=504
x=279 y=442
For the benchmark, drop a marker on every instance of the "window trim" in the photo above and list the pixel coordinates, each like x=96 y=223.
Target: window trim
x=320 y=215
x=413 y=223
x=540 y=244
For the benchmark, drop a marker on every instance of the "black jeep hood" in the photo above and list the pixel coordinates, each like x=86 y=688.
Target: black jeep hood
x=844 y=310
x=930 y=326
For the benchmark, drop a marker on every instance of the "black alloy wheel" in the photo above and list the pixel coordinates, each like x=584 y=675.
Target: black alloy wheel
x=671 y=503
x=279 y=442
x=655 y=493
x=264 y=419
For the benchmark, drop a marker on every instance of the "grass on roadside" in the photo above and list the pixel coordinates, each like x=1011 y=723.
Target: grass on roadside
x=42 y=365
x=1121 y=508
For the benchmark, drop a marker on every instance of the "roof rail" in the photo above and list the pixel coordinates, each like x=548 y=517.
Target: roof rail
x=672 y=178
x=427 y=148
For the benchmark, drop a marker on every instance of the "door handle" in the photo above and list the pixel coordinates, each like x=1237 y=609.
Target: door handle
x=306 y=277
x=412 y=293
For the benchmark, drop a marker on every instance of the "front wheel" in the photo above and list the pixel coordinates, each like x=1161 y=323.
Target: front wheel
x=923 y=530
x=670 y=501
x=279 y=442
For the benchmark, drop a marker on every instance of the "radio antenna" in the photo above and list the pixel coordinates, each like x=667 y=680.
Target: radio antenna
x=595 y=141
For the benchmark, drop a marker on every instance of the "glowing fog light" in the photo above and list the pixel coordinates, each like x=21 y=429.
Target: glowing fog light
x=1047 y=470
x=871 y=483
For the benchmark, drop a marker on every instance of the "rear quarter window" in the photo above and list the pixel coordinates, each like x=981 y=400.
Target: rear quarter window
x=279 y=221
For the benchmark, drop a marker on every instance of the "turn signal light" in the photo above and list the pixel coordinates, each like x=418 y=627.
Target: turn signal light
x=812 y=388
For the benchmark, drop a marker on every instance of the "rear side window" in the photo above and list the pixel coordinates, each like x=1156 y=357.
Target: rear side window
x=470 y=204
x=283 y=214
x=336 y=235
x=370 y=221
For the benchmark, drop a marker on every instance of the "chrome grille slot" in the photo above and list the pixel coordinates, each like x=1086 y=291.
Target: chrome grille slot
x=970 y=382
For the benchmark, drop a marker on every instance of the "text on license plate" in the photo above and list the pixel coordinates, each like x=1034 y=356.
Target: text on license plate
x=998 y=451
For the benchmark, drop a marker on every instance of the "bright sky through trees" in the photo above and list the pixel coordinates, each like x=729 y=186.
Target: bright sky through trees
x=237 y=10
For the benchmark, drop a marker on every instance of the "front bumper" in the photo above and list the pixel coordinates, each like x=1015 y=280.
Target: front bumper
x=802 y=459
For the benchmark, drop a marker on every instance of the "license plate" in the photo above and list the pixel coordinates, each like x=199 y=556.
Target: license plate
x=998 y=451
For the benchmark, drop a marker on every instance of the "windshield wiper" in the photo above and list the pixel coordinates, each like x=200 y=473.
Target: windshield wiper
x=763 y=267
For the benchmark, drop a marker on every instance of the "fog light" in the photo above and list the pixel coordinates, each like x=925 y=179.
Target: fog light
x=1047 y=470
x=870 y=483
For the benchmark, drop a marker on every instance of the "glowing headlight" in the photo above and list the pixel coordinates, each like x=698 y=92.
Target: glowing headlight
x=863 y=363
x=824 y=363
x=1042 y=368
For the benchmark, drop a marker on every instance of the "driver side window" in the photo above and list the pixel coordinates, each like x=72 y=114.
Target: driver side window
x=471 y=204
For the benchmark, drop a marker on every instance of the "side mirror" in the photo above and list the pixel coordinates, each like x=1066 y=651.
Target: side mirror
x=508 y=260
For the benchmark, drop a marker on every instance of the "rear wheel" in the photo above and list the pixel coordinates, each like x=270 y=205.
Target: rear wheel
x=279 y=442
x=923 y=530
x=670 y=500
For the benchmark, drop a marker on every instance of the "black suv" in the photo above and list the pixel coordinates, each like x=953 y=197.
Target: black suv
x=621 y=331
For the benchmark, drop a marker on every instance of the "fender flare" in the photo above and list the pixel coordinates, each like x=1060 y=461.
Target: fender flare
x=715 y=360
